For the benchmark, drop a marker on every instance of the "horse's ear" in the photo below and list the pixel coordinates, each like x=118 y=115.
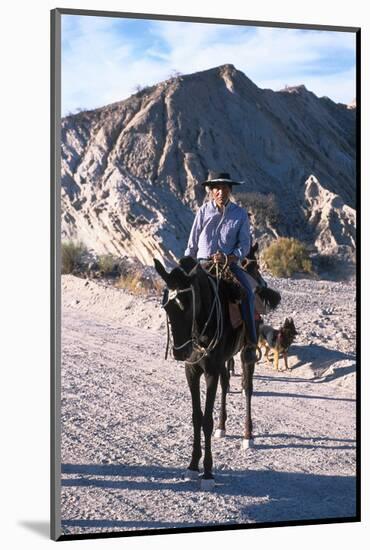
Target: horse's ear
x=196 y=267
x=187 y=263
x=161 y=270
x=197 y=270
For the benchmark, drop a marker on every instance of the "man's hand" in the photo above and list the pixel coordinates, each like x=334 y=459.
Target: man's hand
x=220 y=258
x=232 y=259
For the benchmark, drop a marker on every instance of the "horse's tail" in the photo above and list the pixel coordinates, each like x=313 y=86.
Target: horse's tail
x=270 y=297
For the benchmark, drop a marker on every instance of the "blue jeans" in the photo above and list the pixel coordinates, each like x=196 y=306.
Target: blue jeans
x=247 y=305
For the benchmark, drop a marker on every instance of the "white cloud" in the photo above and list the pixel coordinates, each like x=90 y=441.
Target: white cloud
x=92 y=62
x=102 y=65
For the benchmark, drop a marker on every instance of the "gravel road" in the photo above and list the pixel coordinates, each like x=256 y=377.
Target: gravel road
x=126 y=418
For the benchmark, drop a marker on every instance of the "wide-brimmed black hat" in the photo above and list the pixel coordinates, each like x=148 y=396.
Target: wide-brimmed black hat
x=219 y=177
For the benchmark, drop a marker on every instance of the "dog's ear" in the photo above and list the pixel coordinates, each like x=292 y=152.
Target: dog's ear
x=291 y=323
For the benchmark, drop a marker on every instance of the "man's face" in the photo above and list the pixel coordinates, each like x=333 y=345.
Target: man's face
x=220 y=193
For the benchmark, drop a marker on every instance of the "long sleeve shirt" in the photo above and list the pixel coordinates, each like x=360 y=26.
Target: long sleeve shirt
x=214 y=230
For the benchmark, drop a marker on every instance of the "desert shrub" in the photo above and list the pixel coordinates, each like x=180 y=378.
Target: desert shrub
x=72 y=253
x=263 y=207
x=107 y=264
x=286 y=256
x=174 y=74
x=140 y=91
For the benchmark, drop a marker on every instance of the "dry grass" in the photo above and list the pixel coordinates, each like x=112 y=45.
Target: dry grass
x=138 y=285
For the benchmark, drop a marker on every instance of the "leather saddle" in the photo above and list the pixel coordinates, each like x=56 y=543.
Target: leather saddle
x=233 y=291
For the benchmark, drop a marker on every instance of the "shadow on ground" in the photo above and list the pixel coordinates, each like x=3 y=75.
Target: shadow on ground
x=313 y=362
x=272 y=495
x=292 y=441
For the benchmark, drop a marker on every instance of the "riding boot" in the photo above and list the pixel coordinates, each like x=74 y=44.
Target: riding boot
x=247 y=308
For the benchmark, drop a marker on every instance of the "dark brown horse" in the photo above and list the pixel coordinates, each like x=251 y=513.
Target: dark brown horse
x=197 y=308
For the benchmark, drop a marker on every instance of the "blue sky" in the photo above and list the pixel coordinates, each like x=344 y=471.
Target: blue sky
x=104 y=59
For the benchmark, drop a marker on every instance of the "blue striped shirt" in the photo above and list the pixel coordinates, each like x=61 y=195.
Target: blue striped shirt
x=216 y=230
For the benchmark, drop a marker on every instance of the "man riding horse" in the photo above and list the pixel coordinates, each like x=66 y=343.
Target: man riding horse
x=197 y=305
x=221 y=232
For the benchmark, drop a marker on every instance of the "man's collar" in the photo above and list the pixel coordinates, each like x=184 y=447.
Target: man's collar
x=219 y=209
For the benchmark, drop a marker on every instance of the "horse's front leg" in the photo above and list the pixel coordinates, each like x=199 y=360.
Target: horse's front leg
x=193 y=375
x=248 y=370
x=211 y=383
x=225 y=382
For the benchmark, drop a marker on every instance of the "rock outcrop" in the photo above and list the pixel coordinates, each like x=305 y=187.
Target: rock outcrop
x=333 y=222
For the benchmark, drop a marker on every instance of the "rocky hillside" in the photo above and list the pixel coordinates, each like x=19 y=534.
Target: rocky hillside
x=131 y=170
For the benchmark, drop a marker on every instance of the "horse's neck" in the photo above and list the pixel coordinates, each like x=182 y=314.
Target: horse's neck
x=208 y=294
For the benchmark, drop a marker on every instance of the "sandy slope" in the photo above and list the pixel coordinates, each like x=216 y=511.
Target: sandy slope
x=126 y=418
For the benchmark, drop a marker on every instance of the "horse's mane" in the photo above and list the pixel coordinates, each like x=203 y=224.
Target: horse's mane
x=229 y=287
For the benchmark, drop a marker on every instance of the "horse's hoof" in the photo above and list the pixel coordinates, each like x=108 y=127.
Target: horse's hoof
x=247 y=444
x=191 y=475
x=207 y=484
x=220 y=433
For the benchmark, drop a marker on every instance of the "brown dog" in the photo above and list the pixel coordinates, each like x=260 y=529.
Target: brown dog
x=277 y=340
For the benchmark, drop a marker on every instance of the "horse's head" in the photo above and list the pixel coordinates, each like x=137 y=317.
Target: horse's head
x=181 y=301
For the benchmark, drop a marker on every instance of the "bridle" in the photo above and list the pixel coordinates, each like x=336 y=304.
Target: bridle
x=172 y=295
